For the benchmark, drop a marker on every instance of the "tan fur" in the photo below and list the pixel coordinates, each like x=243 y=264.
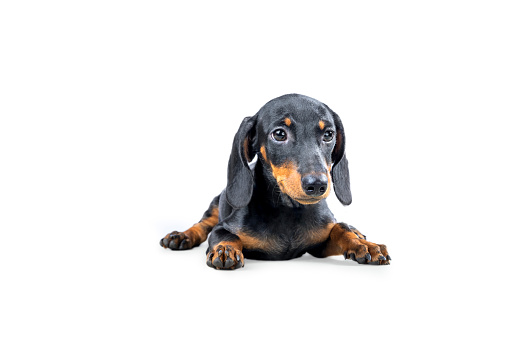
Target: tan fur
x=264 y=153
x=199 y=231
x=253 y=243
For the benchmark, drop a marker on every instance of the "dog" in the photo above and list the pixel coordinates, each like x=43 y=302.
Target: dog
x=283 y=164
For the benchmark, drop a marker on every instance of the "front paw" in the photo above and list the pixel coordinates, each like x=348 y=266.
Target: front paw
x=365 y=252
x=176 y=241
x=225 y=257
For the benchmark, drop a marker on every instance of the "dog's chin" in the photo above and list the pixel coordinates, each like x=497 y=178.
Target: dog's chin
x=308 y=201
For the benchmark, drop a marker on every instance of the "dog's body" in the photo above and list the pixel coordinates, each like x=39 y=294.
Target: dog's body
x=282 y=166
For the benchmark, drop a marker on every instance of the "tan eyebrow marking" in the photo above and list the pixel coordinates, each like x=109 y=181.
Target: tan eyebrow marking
x=321 y=124
x=288 y=122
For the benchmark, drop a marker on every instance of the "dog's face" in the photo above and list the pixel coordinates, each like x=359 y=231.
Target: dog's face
x=296 y=139
x=299 y=141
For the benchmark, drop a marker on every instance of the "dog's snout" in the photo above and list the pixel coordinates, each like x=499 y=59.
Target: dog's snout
x=315 y=184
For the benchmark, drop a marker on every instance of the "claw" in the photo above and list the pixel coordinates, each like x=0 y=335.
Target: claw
x=183 y=244
x=388 y=257
x=238 y=264
x=209 y=259
x=364 y=260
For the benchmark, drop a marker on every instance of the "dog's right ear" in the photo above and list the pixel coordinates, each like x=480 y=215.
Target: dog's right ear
x=340 y=172
x=239 y=187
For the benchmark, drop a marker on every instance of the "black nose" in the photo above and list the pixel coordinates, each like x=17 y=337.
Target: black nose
x=314 y=184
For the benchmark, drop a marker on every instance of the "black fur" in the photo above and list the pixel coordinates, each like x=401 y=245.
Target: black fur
x=240 y=179
x=274 y=208
x=253 y=203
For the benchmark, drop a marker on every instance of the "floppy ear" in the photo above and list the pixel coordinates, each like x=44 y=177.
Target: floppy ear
x=341 y=180
x=239 y=187
x=340 y=173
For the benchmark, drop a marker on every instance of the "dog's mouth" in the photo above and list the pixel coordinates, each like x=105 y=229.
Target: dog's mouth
x=304 y=200
x=307 y=201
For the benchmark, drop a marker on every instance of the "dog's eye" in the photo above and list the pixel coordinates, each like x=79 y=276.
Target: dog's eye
x=279 y=135
x=328 y=136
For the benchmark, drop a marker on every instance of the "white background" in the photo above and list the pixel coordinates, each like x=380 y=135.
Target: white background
x=116 y=124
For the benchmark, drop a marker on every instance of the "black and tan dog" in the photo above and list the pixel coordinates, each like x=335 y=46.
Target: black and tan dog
x=282 y=166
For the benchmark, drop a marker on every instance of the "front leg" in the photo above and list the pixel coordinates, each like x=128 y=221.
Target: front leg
x=225 y=250
x=195 y=235
x=348 y=241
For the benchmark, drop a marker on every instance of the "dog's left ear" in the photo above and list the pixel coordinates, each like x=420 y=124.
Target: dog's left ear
x=340 y=173
x=239 y=187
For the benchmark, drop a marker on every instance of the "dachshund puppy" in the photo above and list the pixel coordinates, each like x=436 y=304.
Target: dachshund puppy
x=284 y=161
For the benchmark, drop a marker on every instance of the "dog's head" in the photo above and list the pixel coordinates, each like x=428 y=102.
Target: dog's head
x=301 y=144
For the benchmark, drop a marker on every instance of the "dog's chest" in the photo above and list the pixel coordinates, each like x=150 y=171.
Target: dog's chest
x=284 y=235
